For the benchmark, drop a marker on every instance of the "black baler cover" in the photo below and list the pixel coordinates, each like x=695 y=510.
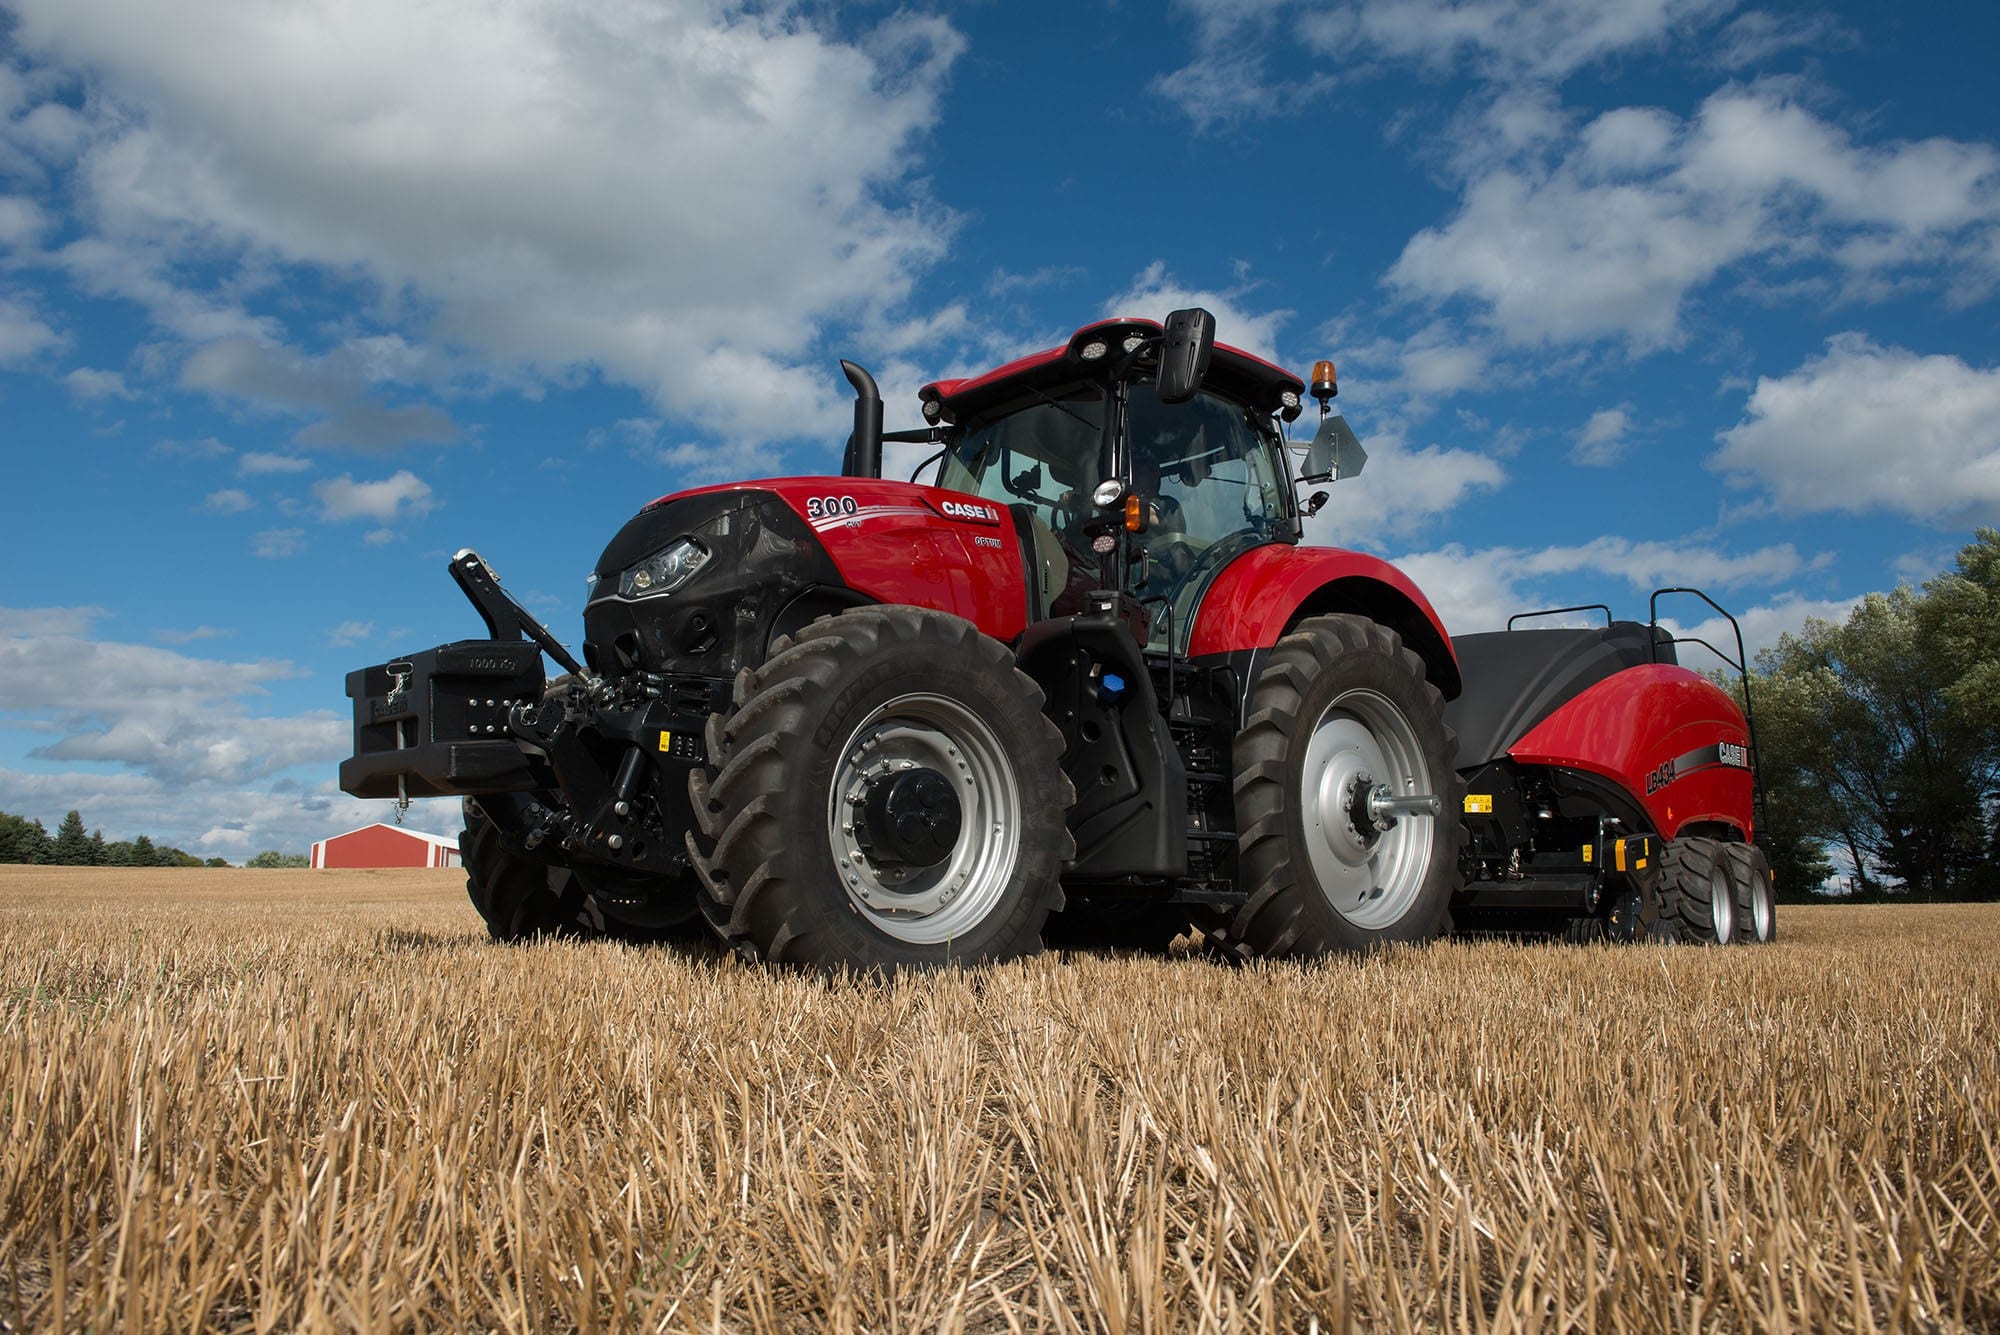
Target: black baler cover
x=1516 y=678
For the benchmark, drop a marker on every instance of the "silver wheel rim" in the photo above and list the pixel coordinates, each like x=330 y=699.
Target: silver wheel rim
x=928 y=905
x=1372 y=883
x=1760 y=906
x=1722 y=905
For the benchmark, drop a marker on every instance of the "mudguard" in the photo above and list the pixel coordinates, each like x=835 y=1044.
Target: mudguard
x=1668 y=736
x=1261 y=594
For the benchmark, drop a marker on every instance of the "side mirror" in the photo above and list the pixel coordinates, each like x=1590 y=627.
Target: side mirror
x=1334 y=452
x=1184 y=354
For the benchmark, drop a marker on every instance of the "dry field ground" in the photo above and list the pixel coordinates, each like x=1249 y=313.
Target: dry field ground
x=308 y=1099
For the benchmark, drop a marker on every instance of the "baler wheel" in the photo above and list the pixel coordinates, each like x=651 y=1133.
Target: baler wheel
x=885 y=793
x=519 y=896
x=1341 y=721
x=1697 y=892
x=1756 y=906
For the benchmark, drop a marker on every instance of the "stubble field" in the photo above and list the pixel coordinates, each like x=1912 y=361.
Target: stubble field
x=283 y=1099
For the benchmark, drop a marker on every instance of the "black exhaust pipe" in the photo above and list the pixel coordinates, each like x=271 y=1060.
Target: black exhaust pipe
x=864 y=447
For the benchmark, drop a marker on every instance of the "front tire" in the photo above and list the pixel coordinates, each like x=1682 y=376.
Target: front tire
x=1340 y=708
x=519 y=897
x=885 y=793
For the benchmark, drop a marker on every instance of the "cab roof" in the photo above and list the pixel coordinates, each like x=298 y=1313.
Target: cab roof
x=1232 y=372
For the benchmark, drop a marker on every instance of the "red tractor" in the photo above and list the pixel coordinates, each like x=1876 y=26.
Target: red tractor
x=1086 y=686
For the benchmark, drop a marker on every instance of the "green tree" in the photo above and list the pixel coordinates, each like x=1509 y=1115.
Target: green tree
x=216 y=862
x=22 y=840
x=1882 y=736
x=271 y=857
x=71 y=846
x=144 y=854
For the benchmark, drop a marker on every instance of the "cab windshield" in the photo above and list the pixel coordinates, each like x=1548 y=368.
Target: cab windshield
x=1209 y=475
x=1043 y=452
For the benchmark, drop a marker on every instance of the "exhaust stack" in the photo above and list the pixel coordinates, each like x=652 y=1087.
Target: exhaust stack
x=864 y=447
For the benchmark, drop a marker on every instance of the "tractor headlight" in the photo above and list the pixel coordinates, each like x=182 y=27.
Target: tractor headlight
x=663 y=571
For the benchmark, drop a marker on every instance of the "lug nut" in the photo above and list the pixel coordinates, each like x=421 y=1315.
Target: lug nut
x=622 y=808
x=615 y=842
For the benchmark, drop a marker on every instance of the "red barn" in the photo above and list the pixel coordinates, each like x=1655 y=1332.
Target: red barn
x=381 y=845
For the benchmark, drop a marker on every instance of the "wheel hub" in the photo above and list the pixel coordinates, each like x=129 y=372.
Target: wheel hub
x=923 y=818
x=912 y=818
x=1364 y=774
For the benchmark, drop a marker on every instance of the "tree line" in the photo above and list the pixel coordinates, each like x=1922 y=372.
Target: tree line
x=1879 y=740
x=23 y=840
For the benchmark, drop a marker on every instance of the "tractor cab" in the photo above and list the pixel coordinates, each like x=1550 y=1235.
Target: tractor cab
x=1120 y=478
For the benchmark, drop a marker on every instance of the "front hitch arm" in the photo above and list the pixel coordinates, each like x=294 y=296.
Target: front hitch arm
x=505 y=619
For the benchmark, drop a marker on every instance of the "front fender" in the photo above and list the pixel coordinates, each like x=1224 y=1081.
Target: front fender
x=1265 y=592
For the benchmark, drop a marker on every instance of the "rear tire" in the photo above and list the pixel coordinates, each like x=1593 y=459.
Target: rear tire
x=1756 y=904
x=520 y=897
x=1341 y=698
x=805 y=858
x=1697 y=891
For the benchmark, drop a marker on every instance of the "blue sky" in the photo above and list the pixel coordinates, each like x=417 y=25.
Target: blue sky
x=297 y=299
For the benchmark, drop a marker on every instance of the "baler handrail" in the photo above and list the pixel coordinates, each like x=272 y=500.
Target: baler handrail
x=1558 y=611
x=1740 y=662
x=1696 y=639
x=1742 y=665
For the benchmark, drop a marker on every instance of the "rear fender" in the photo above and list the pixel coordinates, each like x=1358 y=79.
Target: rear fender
x=1268 y=591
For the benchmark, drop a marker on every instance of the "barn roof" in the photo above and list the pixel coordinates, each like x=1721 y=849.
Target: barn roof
x=449 y=841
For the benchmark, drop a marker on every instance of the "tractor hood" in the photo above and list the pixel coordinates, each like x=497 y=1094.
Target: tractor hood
x=727 y=569
x=718 y=566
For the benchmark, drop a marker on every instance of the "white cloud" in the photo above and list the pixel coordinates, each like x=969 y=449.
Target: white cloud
x=1865 y=427
x=275 y=544
x=1611 y=237
x=1547 y=39
x=228 y=501
x=1155 y=292
x=1755 y=36
x=166 y=714
x=1478 y=589
x=89 y=384
x=349 y=633
x=47 y=622
x=23 y=337
x=679 y=196
x=209 y=819
x=401 y=495
x=208 y=447
x=1761 y=626
x=189 y=636
x=21 y=221
x=1401 y=489
x=1503 y=41
x=1601 y=441
x=333 y=388
x=256 y=463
